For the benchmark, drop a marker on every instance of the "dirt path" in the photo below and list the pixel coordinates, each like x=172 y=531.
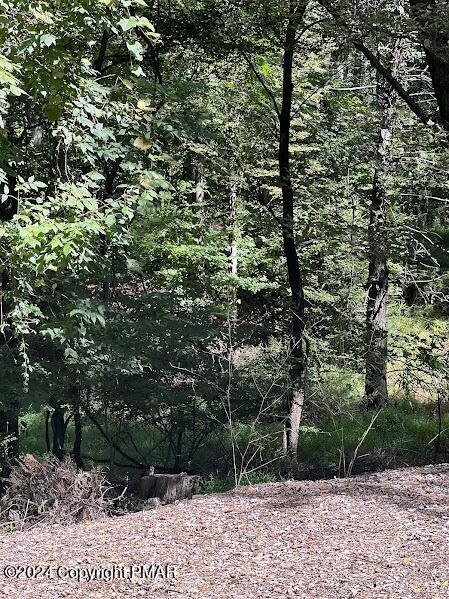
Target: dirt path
x=379 y=536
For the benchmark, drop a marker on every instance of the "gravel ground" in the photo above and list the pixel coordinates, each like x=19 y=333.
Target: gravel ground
x=379 y=536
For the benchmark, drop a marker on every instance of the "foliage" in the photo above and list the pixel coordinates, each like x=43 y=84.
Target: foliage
x=144 y=288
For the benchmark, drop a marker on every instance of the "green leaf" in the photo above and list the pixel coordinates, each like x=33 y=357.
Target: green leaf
x=90 y=203
x=110 y=220
x=136 y=50
x=144 y=22
x=142 y=144
x=53 y=112
x=144 y=105
x=48 y=39
x=127 y=24
x=133 y=265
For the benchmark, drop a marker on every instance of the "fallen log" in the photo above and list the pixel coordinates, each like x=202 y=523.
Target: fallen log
x=168 y=488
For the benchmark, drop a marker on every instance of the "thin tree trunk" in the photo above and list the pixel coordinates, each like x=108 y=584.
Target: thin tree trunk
x=47 y=430
x=178 y=449
x=297 y=356
x=233 y=251
x=106 y=287
x=75 y=395
x=199 y=185
x=376 y=388
x=434 y=40
x=58 y=428
x=78 y=438
x=199 y=198
x=434 y=36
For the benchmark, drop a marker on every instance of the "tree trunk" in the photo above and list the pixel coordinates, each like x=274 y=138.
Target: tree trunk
x=199 y=199
x=233 y=251
x=78 y=438
x=47 y=430
x=199 y=185
x=178 y=449
x=297 y=357
x=58 y=428
x=435 y=38
x=376 y=389
x=376 y=309
x=108 y=192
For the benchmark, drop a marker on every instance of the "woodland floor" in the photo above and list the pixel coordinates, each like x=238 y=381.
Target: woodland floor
x=382 y=535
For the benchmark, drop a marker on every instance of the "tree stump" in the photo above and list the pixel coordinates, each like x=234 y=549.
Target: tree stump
x=167 y=487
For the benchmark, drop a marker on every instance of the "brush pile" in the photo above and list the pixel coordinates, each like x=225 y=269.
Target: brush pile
x=52 y=492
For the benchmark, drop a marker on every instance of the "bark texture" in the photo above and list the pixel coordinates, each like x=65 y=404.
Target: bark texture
x=376 y=388
x=297 y=356
x=78 y=438
x=434 y=37
x=58 y=427
x=168 y=488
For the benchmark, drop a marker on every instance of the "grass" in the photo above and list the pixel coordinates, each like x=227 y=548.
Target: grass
x=336 y=432
x=217 y=482
x=404 y=434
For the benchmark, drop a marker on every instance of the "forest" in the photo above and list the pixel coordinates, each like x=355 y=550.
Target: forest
x=224 y=236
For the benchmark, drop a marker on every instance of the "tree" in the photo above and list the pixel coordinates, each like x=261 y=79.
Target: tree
x=376 y=388
x=179 y=179
x=294 y=18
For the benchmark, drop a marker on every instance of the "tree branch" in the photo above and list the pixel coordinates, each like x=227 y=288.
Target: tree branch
x=380 y=68
x=391 y=79
x=262 y=83
x=108 y=438
x=98 y=62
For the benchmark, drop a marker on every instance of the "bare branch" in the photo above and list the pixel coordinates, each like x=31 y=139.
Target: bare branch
x=263 y=83
x=380 y=68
